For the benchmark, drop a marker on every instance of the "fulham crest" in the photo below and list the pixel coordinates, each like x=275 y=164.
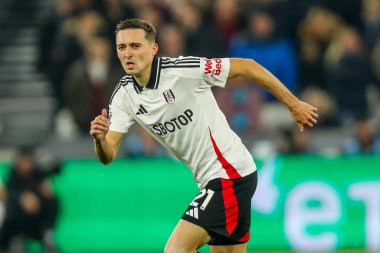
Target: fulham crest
x=169 y=96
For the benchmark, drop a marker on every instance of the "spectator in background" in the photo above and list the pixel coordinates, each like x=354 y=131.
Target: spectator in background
x=202 y=5
x=69 y=43
x=153 y=13
x=371 y=16
x=90 y=81
x=375 y=64
x=289 y=141
x=226 y=18
x=349 y=10
x=87 y=5
x=371 y=19
x=374 y=92
x=114 y=10
x=63 y=9
x=259 y=42
x=51 y=58
x=202 y=39
x=31 y=207
x=287 y=14
x=349 y=75
x=137 y=4
x=364 y=139
x=315 y=33
x=172 y=40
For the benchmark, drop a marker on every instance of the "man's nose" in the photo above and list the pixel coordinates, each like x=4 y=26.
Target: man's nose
x=128 y=54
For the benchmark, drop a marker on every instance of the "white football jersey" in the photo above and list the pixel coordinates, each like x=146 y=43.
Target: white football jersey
x=178 y=109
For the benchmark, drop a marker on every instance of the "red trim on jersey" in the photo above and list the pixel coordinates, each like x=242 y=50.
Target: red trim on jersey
x=231 y=208
x=230 y=170
x=245 y=238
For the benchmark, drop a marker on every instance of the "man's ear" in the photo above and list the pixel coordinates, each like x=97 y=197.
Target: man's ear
x=155 y=48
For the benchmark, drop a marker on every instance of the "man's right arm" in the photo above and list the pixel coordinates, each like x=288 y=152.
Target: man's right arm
x=107 y=148
x=106 y=142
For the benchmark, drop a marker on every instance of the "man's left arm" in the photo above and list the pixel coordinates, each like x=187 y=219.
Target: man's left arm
x=302 y=113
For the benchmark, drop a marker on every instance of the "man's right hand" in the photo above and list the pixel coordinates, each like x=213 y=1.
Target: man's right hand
x=304 y=115
x=99 y=126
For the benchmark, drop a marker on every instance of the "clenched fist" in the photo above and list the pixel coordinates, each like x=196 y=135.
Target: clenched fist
x=99 y=126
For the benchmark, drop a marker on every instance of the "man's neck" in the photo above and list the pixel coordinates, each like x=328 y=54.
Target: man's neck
x=142 y=79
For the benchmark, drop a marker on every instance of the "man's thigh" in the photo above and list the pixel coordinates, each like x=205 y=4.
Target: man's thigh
x=186 y=237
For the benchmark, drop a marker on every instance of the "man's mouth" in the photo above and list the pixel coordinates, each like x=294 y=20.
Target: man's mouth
x=130 y=64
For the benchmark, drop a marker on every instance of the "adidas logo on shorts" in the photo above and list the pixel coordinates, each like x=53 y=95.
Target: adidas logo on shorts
x=193 y=212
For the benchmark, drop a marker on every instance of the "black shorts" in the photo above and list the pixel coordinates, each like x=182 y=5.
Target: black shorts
x=223 y=209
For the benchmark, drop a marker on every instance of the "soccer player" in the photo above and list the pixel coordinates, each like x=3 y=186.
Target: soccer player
x=171 y=98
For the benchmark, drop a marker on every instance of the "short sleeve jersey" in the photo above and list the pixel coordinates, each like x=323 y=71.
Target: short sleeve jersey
x=178 y=109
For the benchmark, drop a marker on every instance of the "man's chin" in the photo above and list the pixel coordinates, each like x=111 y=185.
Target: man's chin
x=130 y=71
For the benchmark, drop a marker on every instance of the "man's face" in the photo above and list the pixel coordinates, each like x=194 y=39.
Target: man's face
x=134 y=51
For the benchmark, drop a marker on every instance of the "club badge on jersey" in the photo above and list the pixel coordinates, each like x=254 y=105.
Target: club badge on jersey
x=169 y=96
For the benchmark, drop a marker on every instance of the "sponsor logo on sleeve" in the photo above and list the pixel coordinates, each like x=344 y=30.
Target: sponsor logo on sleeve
x=213 y=69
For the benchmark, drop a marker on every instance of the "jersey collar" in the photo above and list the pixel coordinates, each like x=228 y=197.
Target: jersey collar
x=153 y=79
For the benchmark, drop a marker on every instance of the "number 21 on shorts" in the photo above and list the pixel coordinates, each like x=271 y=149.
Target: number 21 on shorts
x=205 y=202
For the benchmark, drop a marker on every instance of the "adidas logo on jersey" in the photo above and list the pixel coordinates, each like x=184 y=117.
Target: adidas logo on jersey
x=193 y=212
x=141 y=110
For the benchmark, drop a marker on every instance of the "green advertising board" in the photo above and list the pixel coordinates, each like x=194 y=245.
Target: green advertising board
x=317 y=203
x=4 y=170
x=302 y=203
x=127 y=206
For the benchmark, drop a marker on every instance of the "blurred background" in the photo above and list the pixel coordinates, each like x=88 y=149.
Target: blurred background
x=318 y=191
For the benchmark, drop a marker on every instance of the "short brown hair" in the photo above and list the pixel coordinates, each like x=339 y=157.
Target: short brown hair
x=134 y=23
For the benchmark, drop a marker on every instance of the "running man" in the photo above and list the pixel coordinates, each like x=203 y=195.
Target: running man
x=171 y=98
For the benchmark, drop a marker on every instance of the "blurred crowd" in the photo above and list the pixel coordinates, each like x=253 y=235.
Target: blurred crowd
x=30 y=206
x=325 y=51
